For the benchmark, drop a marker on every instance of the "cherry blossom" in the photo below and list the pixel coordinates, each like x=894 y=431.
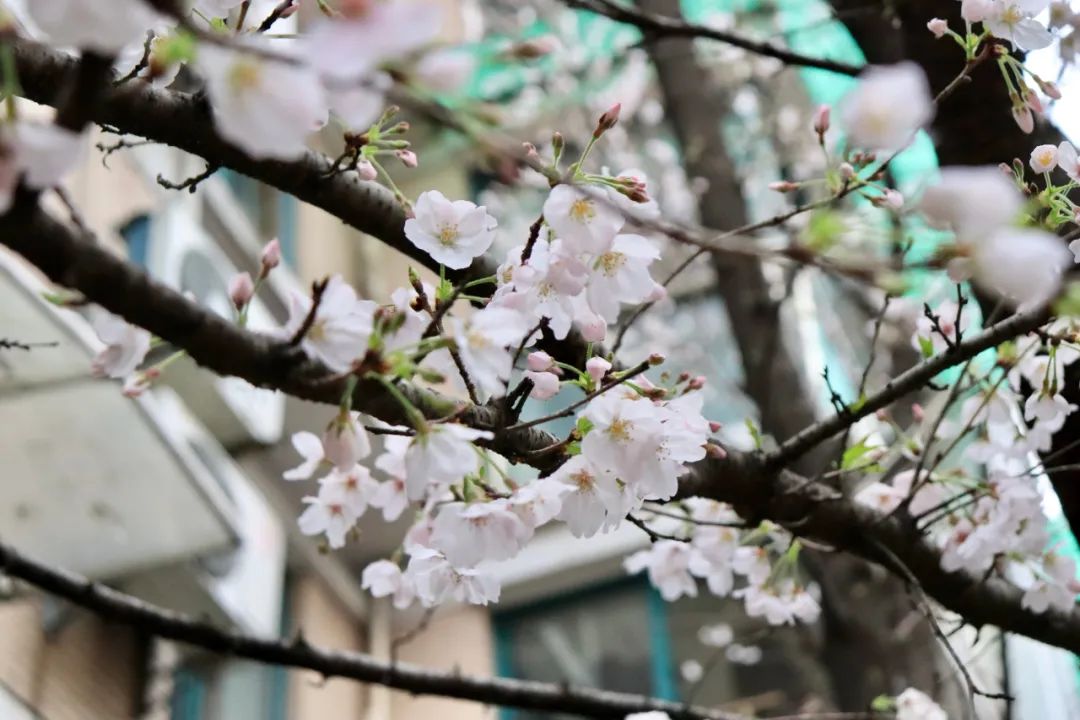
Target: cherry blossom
x=441 y=455
x=104 y=26
x=914 y=704
x=265 y=106
x=310 y=448
x=595 y=500
x=342 y=326
x=357 y=487
x=437 y=581
x=971 y=201
x=1013 y=20
x=125 y=345
x=383 y=578
x=887 y=107
x=621 y=275
x=545 y=384
x=46 y=152
x=470 y=533
x=345 y=441
x=451 y=232
x=667 y=562
x=485 y=343
x=1067 y=160
x=329 y=513
x=584 y=220
x=625 y=436
x=1044 y=158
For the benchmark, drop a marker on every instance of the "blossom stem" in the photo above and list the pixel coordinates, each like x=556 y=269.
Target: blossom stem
x=416 y=418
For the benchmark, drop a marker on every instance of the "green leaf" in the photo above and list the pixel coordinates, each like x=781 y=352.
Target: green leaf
x=926 y=347
x=883 y=703
x=823 y=230
x=855 y=453
x=584 y=425
x=755 y=434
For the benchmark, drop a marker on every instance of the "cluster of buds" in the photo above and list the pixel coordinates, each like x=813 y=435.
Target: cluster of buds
x=382 y=138
x=632 y=187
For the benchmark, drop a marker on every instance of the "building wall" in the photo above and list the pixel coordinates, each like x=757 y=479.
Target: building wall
x=85 y=669
x=325 y=622
x=456 y=639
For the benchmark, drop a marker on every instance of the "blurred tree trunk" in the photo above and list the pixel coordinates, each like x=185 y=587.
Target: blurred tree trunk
x=855 y=654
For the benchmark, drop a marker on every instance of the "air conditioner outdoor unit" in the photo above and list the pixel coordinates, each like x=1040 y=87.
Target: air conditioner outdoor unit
x=183 y=255
x=242 y=585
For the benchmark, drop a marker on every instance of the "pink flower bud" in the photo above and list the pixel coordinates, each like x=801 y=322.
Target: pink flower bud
x=1024 y=119
x=271 y=255
x=530 y=151
x=821 y=120
x=658 y=293
x=783 y=186
x=408 y=158
x=715 y=451
x=608 y=120
x=917 y=412
x=1049 y=89
x=241 y=288
x=366 y=170
x=891 y=199
x=594 y=329
x=714 y=426
x=597 y=368
x=539 y=361
x=545 y=385
x=656 y=359
x=354 y=9
x=534 y=48
x=1033 y=101
x=847 y=172
x=882 y=414
x=938 y=27
x=696 y=383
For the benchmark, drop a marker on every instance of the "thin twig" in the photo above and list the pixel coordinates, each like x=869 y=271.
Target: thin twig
x=192 y=183
x=569 y=409
x=317 y=289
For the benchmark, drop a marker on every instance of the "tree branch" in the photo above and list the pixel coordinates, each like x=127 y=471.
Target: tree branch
x=659 y=26
x=118 y=607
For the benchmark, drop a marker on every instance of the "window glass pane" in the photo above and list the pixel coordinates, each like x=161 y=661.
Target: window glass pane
x=597 y=639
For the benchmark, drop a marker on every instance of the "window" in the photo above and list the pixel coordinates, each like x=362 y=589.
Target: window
x=624 y=637
x=272 y=213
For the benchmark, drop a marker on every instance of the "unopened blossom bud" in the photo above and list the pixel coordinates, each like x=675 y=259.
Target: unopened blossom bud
x=658 y=293
x=530 y=151
x=1049 y=89
x=594 y=329
x=1033 y=101
x=882 y=414
x=539 y=361
x=1023 y=118
x=714 y=426
x=975 y=10
x=891 y=199
x=271 y=255
x=847 y=172
x=545 y=385
x=783 y=186
x=558 y=143
x=366 y=170
x=821 y=121
x=291 y=10
x=938 y=27
x=1005 y=168
x=608 y=120
x=1043 y=158
x=534 y=48
x=597 y=368
x=715 y=451
x=917 y=412
x=696 y=383
x=408 y=158
x=241 y=288
x=656 y=359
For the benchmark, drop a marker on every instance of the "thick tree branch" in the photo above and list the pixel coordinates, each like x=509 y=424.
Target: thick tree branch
x=548 y=697
x=660 y=26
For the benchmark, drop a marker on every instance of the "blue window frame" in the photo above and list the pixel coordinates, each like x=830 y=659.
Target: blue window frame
x=613 y=636
x=136 y=233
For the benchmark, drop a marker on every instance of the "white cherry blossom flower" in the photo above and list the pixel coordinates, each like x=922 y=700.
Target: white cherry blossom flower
x=583 y=219
x=545 y=385
x=126 y=345
x=486 y=342
x=780 y=604
x=1044 y=158
x=437 y=581
x=971 y=201
x=265 y=106
x=1013 y=20
x=46 y=152
x=383 y=578
x=346 y=48
x=357 y=487
x=753 y=562
x=621 y=275
x=470 y=533
x=667 y=562
x=625 y=436
x=593 y=499
x=451 y=232
x=441 y=455
x=1067 y=160
x=887 y=107
x=446 y=69
x=914 y=704
x=975 y=10
x=342 y=327
x=538 y=503
x=330 y=512
x=104 y=26
x=310 y=448
x=880 y=496
x=1024 y=265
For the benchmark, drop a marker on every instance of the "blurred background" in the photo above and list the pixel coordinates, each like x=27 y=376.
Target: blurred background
x=177 y=496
